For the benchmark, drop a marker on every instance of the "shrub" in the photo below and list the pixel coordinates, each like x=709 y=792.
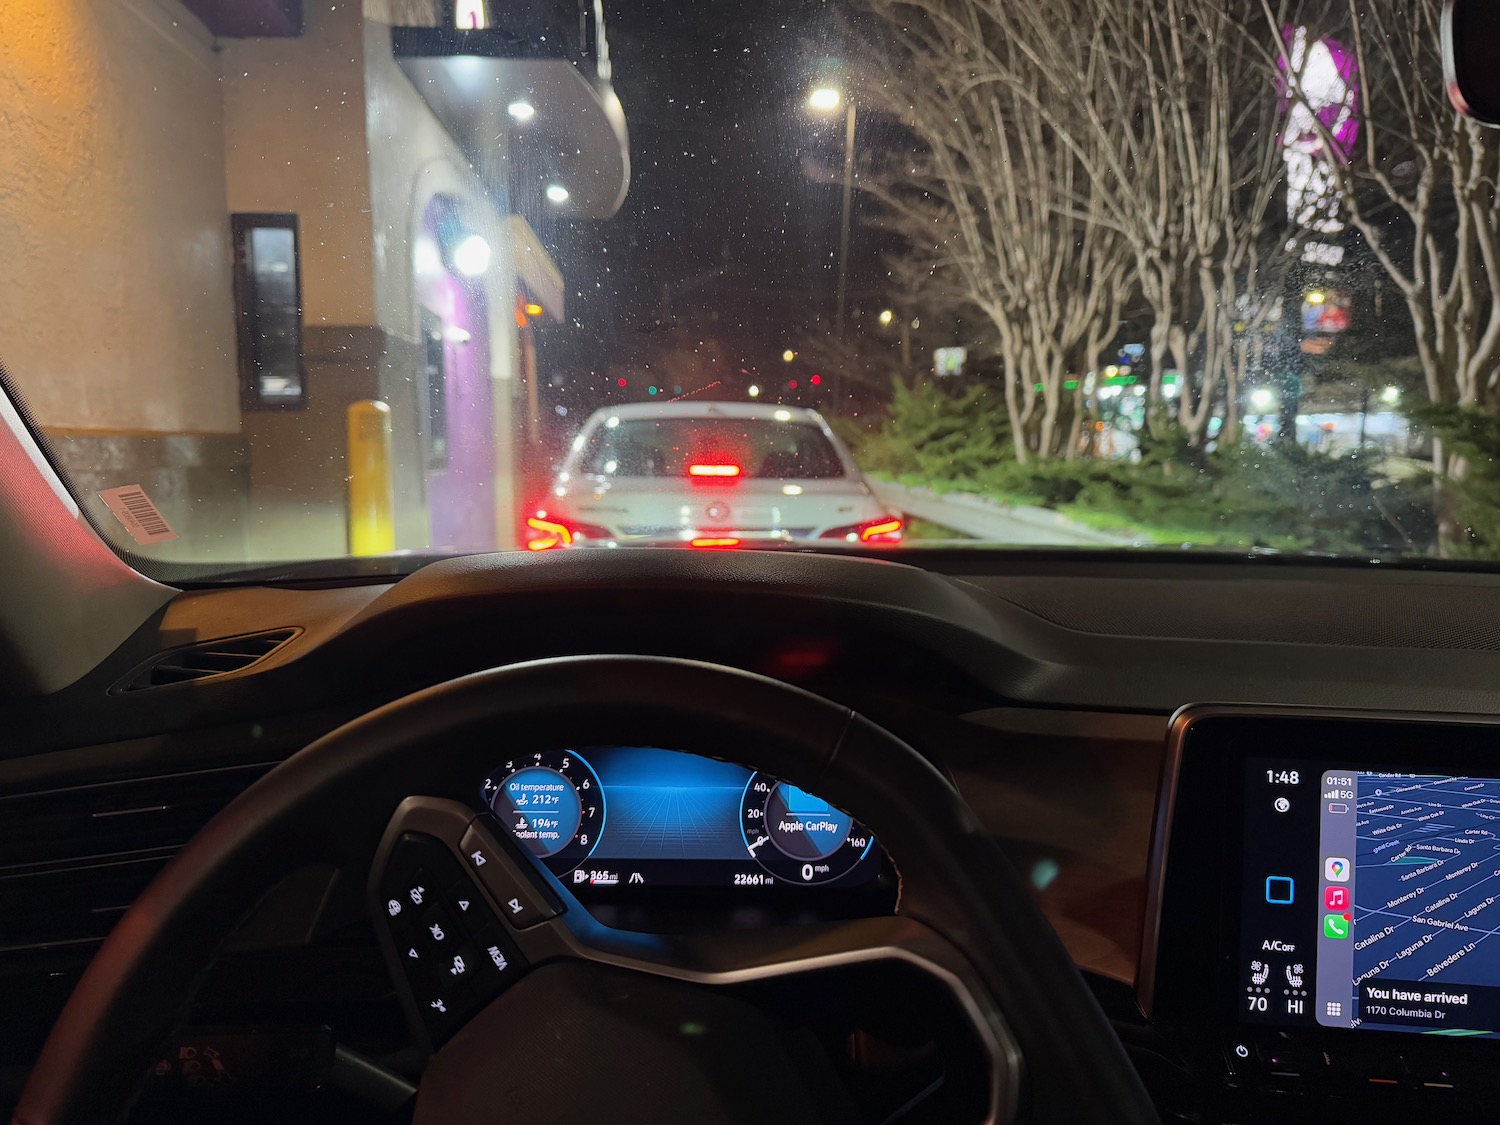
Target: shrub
x=1470 y=495
x=936 y=434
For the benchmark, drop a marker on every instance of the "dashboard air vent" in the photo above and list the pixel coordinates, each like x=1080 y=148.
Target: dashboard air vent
x=206 y=660
x=72 y=860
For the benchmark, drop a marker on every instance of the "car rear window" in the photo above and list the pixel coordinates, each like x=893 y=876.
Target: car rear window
x=673 y=447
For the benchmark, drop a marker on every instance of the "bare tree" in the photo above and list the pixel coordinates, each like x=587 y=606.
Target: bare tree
x=1417 y=161
x=997 y=208
x=1175 y=115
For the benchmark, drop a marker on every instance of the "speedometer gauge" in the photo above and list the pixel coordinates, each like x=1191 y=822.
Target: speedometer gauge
x=797 y=837
x=552 y=803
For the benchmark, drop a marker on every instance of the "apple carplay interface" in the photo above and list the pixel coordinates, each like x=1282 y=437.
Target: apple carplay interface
x=1372 y=900
x=625 y=820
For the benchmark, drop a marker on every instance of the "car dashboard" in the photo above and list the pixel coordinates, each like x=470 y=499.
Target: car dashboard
x=1209 y=919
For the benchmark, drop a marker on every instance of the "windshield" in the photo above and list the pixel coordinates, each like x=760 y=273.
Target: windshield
x=346 y=281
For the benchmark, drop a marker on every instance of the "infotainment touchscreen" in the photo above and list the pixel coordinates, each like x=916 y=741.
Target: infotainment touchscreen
x=1409 y=896
x=1371 y=899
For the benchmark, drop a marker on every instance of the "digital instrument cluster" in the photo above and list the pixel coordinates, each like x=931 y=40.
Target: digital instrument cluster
x=634 y=823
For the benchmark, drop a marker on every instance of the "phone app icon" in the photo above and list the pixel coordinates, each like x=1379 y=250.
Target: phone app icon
x=1335 y=926
x=1336 y=869
x=1336 y=898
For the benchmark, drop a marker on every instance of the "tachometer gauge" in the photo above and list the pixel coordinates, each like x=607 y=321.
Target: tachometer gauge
x=797 y=837
x=552 y=803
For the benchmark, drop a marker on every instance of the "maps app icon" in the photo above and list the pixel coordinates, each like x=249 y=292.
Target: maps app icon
x=1336 y=869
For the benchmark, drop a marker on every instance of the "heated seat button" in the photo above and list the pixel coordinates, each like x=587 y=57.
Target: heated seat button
x=522 y=903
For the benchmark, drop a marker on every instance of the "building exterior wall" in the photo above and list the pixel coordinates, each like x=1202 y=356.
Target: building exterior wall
x=117 y=311
x=294 y=123
x=413 y=160
x=128 y=135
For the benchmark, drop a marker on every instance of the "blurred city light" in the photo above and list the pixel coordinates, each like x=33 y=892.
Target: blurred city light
x=471 y=257
x=1263 y=399
x=754 y=391
x=788 y=355
x=522 y=111
x=886 y=316
x=556 y=193
x=1390 y=395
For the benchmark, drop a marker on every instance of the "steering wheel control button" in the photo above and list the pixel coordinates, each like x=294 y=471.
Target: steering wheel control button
x=459 y=966
x=437 y=929
x=499 y=960
x=522 y=904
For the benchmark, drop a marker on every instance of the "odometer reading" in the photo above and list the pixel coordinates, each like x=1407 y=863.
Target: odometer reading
x=797 y=837
x=552 y=803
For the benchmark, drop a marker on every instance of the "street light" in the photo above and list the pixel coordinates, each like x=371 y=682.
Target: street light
x=886 y=316
x=521 y=110
x=826 y=99
x=556 y=193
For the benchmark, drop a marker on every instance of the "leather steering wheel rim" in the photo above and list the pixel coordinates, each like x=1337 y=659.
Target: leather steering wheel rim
x=331 y=802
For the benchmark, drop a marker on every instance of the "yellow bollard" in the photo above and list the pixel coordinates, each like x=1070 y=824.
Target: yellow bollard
x=372 y=503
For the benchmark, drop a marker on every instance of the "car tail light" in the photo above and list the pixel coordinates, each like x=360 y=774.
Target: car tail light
x=545 y=534
x=713 y=470
x=716 y=541
x=884 y=529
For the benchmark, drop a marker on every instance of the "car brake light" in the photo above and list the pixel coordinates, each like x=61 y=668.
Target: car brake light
x=543 y=534
x=716 y=541
x=713 y=470
x=884 y=529
x=548 y=534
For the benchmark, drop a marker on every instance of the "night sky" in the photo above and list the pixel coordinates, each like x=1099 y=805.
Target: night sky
x=720 y=205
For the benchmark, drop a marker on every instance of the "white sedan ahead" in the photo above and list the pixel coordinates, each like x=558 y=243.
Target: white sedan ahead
x=708 y=474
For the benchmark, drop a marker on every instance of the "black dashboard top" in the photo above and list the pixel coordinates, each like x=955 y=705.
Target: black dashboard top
x=1115 y=636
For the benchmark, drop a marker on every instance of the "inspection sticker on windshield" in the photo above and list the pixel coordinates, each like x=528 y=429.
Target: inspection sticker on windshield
x=141 y=518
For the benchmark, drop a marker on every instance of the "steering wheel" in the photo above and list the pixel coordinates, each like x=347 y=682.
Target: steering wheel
x=349 y=798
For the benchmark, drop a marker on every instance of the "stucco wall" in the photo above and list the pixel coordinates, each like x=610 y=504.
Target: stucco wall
x=294 y=118
x=115 y=297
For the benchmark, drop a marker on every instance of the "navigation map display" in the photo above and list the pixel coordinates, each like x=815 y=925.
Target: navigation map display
x=1370 y=899
x=1409 y=898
